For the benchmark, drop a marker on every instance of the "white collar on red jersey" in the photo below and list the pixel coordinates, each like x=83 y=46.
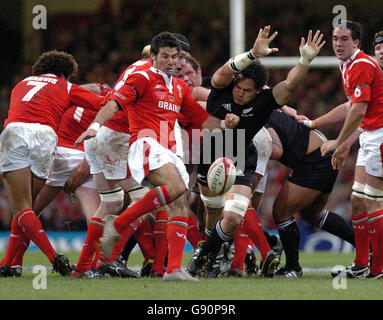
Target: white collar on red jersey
x=343 y=65
x=168 y=79
x=48 y=75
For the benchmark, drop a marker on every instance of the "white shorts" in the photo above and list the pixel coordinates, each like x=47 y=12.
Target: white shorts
x=27 y=144
x=65 y=160
x=146 y=154
x=371 y=152
x=107 y=153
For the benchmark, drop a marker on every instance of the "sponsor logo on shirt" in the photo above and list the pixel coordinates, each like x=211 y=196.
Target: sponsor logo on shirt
x=168 y=106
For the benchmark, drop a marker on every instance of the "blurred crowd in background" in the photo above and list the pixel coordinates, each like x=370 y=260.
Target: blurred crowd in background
x=105 y=43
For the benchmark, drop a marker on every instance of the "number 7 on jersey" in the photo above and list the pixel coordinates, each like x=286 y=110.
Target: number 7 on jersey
x=36 y=87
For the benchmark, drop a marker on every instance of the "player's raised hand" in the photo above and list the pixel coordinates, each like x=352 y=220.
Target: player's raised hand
x=261 y=44
x=310 y=49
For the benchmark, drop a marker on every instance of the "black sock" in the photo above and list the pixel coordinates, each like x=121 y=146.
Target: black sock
x=129 y=245
x=290 y=238
x=336 y=225
x=215 y=240
x=271 y=239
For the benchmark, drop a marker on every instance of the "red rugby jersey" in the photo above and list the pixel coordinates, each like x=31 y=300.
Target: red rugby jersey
x=119 y=122
x=363 y=82
x=44 y=99
x=154 y=101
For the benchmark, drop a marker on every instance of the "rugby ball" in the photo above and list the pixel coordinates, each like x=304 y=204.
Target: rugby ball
x=221 y=175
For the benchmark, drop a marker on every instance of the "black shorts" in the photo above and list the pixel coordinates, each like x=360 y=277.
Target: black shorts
x=315 y=172
x=244 y=177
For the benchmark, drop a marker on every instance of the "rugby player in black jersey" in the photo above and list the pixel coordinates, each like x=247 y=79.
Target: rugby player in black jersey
x=305 y=191
x=237 y=87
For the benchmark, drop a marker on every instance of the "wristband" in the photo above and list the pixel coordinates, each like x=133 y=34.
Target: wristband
x=304 y=61
x=308 y=123
x=223 y=125
x=95 y=126
x=241 y=61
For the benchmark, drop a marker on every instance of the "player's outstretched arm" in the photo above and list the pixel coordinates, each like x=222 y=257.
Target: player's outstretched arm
x=308 y=50
x=103 y=116
x=336 y=115
x=224 y=75
x=351 y=124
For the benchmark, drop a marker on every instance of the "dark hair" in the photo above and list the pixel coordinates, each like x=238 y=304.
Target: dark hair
x=184 y=42
x=163 y=39
x=255 y=71
x=57 y=62
x=354 y=27
x=193 y=62
x=378 y=38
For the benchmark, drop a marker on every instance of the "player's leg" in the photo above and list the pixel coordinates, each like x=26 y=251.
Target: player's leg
x=290 y=200
x=374 y=205
x=327 y=220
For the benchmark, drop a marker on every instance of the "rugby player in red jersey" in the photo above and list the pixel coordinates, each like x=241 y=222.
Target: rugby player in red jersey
x=362 y=79
x=153 y=99
x=27 y=146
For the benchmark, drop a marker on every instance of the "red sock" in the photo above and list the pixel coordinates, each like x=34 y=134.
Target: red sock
x=97 y=255
x=362 y=239
x=375 y=223
x=160 y=229
x=144 y=237
x=155 y=198
x=177 y=230
x=193 y=236
x=253 y=227
x=125 y=235
x=31 y=226
x=95 y=229
x=16 y=237
x=18 y=258
x=241 y=241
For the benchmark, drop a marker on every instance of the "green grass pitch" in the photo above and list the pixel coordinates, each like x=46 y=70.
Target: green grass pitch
x=316 y=284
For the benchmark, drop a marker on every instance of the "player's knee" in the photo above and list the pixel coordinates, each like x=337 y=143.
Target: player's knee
x=112 y=201
x=232 y=221
x=176 y=190
x=213 y=204
x=357 y=203
x=238 y=204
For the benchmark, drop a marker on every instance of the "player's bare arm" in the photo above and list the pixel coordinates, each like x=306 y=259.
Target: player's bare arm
x=336 y=115
x=103 y=116
x=224 y=75
x=351 y=124
x=308 y=50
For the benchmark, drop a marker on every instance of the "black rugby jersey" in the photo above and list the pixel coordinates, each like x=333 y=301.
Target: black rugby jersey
x=253 y=116
x=293 y=135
